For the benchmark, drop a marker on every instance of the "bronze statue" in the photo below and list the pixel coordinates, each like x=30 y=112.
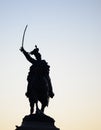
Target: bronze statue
x=39 y=83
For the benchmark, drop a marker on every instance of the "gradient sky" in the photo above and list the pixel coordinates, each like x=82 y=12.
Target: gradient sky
x=68 y=33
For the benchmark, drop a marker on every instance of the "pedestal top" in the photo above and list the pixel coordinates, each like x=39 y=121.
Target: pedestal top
x=38 y=117
x=38 y=121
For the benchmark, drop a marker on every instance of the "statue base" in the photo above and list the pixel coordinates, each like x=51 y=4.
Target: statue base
x=38 y=121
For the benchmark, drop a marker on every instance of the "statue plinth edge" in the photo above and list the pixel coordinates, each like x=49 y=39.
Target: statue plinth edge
x=38 y=121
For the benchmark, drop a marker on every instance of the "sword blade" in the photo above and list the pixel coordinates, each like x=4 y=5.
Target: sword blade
x=24 y=35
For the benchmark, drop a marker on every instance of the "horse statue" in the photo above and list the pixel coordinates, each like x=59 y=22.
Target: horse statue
x=39 y=83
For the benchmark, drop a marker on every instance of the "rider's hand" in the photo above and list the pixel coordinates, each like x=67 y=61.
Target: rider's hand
x=22 y=49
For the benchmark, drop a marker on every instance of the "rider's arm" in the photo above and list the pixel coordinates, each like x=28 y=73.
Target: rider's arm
x=26 y=54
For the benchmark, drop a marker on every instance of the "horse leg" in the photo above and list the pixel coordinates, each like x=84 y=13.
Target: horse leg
x=37 y=109
x=43 y=107
x=31 y=106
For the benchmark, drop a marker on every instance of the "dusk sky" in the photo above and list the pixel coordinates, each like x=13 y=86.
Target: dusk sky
x=68 y=34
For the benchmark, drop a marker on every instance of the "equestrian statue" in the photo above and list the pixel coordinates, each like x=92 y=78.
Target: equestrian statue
x=39 y=83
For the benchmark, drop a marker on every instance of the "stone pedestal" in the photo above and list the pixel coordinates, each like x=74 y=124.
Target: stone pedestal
x=37 y=121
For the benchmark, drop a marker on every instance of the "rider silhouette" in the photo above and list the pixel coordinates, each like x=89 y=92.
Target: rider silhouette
x=38 y=70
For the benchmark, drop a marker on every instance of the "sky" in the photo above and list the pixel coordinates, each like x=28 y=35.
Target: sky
x=67 y=33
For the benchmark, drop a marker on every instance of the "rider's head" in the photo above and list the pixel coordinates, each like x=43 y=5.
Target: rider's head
x=36 y=53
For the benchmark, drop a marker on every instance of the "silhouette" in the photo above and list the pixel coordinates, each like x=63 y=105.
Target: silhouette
x=39 y=83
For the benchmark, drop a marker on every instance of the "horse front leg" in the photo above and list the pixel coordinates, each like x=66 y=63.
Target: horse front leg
x=31 y=106
x=37 y=109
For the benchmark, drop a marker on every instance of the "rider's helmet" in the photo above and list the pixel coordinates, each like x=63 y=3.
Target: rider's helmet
x=36 y=53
